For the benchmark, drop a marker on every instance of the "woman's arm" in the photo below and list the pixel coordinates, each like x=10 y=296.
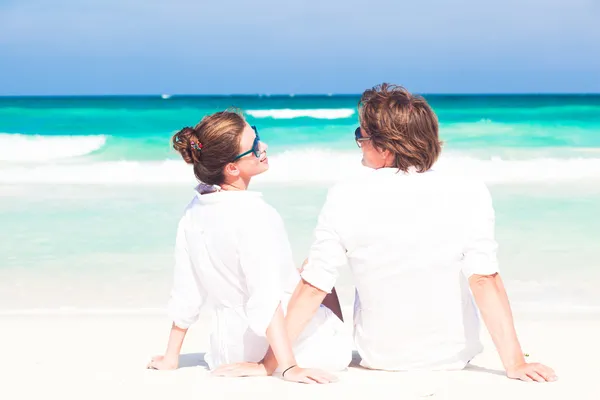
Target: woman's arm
x=492 y=300
x=171 y=358
x=187 y=297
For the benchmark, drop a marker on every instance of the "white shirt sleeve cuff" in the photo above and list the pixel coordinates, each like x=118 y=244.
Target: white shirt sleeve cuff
x=321 y=281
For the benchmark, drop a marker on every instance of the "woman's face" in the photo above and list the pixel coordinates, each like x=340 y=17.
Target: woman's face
x=255 y=161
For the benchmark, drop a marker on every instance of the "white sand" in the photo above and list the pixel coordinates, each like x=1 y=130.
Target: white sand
x=103 y=356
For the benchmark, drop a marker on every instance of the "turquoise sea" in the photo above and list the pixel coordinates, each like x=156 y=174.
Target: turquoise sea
x=90 y=190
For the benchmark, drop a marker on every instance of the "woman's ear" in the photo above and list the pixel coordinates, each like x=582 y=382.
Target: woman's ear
x=231 y=169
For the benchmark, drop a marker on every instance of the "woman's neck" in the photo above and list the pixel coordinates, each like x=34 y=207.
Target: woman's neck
x=238 y=184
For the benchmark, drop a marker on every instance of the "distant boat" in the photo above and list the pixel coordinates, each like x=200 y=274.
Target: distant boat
x=165 y=96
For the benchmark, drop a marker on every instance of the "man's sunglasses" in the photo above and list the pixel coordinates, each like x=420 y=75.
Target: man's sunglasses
x=255 y=147
x=359 y=138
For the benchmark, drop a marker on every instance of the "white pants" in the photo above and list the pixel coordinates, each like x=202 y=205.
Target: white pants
x=323 y=344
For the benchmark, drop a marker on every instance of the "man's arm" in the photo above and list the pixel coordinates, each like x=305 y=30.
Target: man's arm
x=331 y=300
x=319 y=273
x=492 y=300
x=303 y=305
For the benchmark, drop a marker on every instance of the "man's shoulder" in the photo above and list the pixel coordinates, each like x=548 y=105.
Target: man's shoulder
x=469 y=190
x=458 y=180
x=343 y=191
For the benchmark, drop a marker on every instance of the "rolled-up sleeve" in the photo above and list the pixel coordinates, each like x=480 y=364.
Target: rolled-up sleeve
x=327 y=253
x=264 y=256
x=481 y=247
x=187 y=294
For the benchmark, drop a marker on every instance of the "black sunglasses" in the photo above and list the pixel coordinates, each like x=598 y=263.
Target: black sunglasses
x=359 y=138
x=255 y=147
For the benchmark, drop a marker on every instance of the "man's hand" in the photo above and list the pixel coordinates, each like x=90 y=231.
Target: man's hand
x=295 y=374
x=533 y=372
x=241 y=369
x=490 y=296
x=302 y=375
x=164 y=363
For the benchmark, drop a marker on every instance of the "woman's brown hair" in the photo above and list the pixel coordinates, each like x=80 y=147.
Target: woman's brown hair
x=402 y=123
x=211 y=145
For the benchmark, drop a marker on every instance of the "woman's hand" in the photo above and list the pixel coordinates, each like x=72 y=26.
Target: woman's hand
x=532 y=372
x=163 y=363
x=241 y=369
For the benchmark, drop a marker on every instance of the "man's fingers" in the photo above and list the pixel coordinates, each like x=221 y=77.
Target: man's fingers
x=547 y=372
x=306 y=379
x=523 y=376
x=322 y=377
x=318 y=379
x=544 y=374
x=332 y=378
x=535 y=376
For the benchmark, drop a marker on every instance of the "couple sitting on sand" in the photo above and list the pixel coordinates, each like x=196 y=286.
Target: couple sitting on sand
x=420 y=245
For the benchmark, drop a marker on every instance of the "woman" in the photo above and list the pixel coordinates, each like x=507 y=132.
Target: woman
x=232 y=252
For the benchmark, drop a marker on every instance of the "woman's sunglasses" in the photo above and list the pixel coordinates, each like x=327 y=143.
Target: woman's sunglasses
x=255 y=147
x=359 y=138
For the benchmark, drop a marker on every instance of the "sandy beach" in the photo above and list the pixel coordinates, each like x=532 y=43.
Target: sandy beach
x=70 y=355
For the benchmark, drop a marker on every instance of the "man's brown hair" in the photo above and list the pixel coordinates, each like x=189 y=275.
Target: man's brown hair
x=402 y=123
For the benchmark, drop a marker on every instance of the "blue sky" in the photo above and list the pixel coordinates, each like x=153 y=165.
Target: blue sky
x=268 y=46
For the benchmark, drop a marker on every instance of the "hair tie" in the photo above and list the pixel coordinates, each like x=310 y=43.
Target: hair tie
x=196 y=146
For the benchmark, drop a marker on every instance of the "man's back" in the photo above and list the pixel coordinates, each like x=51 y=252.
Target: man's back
x=411 y=241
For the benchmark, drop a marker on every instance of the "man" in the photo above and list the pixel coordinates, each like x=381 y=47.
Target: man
x=420 y=245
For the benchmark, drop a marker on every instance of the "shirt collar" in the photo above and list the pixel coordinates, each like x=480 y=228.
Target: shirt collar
x=394 y=170
x=214 y=194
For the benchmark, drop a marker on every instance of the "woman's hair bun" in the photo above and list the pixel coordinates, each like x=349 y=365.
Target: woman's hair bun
x=182 y=142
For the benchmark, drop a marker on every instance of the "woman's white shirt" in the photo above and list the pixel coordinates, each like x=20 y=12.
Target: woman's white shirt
x=232 y=253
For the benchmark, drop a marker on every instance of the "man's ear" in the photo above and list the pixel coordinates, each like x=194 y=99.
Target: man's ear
x=384 y=153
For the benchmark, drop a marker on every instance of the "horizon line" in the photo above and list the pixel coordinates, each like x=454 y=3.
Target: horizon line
x=292 y=95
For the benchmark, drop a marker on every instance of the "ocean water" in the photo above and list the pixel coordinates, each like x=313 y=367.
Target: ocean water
x=90 y=190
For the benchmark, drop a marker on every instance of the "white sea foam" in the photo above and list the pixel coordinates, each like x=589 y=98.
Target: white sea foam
x=301 y=166
x=318 y=113
x=329 y=166
x=35 y=148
